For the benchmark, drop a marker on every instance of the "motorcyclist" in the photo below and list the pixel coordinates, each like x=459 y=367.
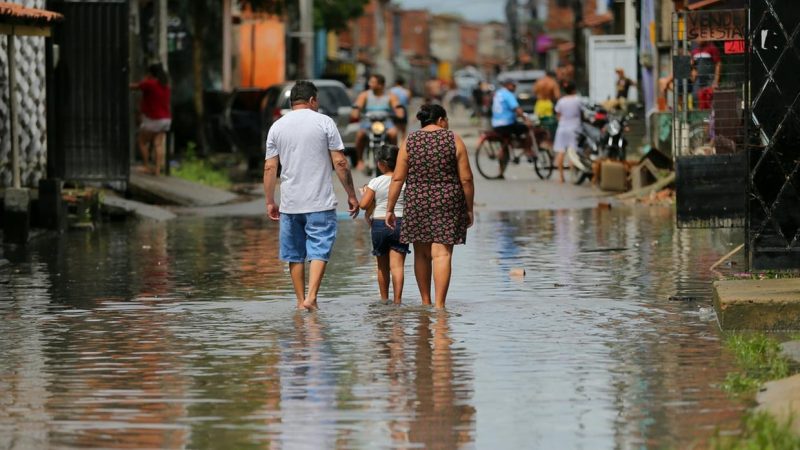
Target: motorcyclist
x=505 y=114
x=375 y=99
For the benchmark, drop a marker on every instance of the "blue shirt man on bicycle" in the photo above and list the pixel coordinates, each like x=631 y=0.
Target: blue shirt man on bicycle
x=506 y=111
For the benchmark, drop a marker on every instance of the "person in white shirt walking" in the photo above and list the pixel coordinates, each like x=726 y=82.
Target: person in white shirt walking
x=305 y=143
x=389 y=252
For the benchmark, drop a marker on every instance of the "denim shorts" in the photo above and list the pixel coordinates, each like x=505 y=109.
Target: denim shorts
x=308 y=236
x=385 y=239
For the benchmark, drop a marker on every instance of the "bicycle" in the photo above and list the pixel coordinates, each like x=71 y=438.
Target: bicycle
x=495 y=151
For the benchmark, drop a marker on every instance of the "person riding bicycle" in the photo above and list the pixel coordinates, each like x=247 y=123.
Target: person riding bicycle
x=506 y=111
x=375 y=99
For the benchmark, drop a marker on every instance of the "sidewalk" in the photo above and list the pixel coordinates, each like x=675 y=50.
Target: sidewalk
x=167 y=190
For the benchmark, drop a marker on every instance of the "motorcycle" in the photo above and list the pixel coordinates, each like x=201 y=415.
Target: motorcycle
x=608 y=142
x=376 y=135
x=589 y=140
x=616 y=146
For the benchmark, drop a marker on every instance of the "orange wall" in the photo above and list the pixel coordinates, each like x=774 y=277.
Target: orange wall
x=262 y=52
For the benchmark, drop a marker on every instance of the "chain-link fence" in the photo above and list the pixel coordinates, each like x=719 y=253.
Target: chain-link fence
x=710 y=82
x=709 y=120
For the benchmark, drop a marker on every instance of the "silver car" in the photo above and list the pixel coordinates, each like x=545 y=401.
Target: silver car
x=250 y=113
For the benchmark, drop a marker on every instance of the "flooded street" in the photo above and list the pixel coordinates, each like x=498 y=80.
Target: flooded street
x=183 y=335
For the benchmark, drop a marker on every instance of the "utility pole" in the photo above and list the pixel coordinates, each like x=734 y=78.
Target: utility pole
x=307 y=37
x=382 y=40
x=578 y=42
x=227 y=20
x=162 y=21
x=512 y=17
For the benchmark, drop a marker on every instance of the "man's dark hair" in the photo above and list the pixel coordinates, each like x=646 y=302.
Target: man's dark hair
x=302 y=92
x=569 y=87
x=400 y=81
x=381 y=79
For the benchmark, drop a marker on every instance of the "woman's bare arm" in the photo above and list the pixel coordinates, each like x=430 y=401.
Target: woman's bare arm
x=465 y=175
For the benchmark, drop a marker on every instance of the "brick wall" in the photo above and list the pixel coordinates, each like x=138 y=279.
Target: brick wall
x=469 y=44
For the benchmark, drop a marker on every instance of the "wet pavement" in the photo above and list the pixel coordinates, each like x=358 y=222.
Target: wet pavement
x=182 y=334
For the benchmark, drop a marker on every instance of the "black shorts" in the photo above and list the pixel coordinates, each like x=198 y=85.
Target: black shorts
x=402 y=120
x=516 y=129
x=385 y=239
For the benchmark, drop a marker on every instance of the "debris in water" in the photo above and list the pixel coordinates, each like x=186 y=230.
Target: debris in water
x=682 y=298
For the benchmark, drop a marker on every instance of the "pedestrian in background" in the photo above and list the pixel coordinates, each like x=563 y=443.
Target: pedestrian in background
x=389 y=252
x=434 y=165
x=547 y=93
x=403 y=96
x=568 y=110
x=305 y=143
x=156 y=117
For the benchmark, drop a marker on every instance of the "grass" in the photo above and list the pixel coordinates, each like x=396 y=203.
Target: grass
x=201 y=171
x=760 y=431
x=760 y=360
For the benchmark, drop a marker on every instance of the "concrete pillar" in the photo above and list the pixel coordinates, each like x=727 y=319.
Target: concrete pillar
x=17 y=216
x=307 y=38
x=227 y=38
x=12 y=107
x=52 y=209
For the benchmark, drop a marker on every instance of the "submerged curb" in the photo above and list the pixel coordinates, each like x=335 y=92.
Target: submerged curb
x=768 y=305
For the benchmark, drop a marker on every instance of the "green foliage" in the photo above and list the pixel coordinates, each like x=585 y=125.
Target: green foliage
x=198 y=170
x=331 y=15
x=760 y=359
x=760 y=431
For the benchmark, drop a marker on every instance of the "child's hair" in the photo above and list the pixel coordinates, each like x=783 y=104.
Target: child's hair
x=387 y=154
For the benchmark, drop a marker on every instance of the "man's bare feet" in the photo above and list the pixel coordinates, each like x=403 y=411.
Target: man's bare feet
x=311 y=304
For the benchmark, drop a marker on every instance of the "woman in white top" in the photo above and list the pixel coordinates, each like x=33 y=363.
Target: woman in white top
x=389 y=252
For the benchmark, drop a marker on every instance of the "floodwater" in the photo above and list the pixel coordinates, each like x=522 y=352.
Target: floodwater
x=183 y=335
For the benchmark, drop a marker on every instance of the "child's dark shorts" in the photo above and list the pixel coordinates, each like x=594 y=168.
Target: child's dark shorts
x=385 y=239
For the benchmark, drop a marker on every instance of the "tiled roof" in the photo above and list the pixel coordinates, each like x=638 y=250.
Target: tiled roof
x=19 y=15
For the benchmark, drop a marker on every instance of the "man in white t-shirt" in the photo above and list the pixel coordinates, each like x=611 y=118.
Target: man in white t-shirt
x=305 y=143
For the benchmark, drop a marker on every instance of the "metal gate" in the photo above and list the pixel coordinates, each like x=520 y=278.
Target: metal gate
x=88 y=134
x=773 y=226
x=709 y=122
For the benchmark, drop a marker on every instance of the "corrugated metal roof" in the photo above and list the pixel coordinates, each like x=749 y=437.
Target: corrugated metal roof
x=12 y=13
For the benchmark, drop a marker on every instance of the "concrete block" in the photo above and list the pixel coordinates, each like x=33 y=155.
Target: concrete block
x=17 y=216
x=781 y=399
x=643 y=174
x=770 y=305
x=613 y=176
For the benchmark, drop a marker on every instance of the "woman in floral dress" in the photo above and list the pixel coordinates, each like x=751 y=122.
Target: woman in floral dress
x=434 y=165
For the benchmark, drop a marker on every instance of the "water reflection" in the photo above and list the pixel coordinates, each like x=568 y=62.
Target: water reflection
x=184 y=335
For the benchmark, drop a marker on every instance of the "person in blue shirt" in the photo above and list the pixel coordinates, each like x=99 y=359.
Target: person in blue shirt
x=404 y=98
x=506 y=111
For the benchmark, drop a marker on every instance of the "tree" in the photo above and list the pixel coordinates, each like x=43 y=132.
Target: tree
x=328 y=14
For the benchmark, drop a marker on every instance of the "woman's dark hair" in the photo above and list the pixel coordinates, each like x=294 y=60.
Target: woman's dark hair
x=157 y=71
x=569 y=87
x=429 y=114
x=387 y=154
x=302 y=92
